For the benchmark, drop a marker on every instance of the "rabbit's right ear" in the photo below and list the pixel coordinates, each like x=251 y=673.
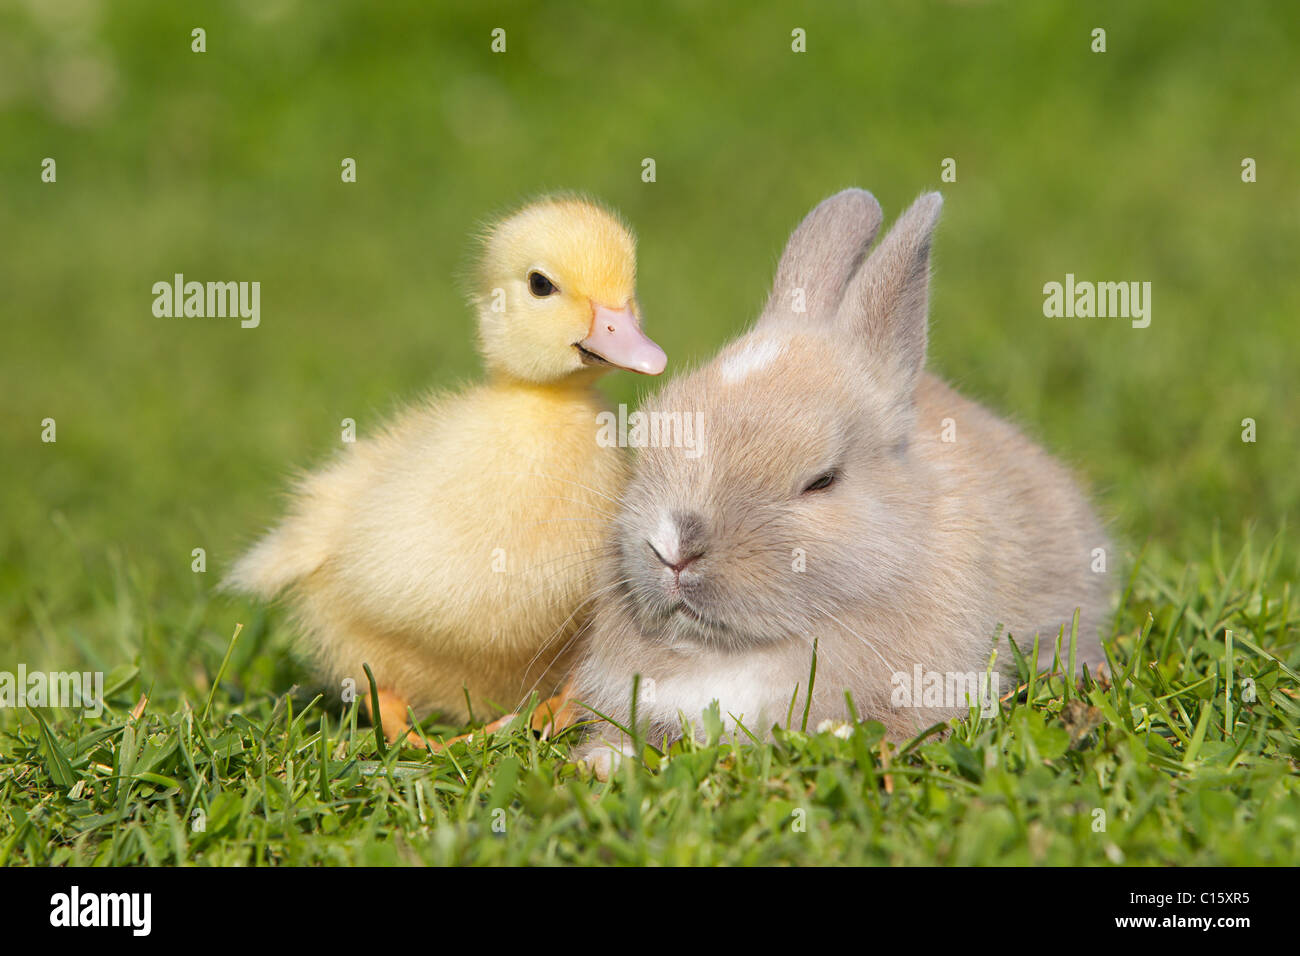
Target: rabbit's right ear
x=822 y=255
x=884 y=307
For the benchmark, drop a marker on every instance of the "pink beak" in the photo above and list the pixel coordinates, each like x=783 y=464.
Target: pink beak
x=617 y=338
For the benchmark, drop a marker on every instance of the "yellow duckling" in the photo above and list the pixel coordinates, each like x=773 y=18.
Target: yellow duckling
x=453 y=552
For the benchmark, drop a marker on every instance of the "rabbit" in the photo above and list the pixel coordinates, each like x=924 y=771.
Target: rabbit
x=825 y=504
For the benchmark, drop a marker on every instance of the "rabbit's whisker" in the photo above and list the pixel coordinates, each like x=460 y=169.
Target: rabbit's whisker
x=871 y=647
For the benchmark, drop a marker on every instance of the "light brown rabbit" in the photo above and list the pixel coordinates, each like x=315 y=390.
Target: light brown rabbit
x=826 y=504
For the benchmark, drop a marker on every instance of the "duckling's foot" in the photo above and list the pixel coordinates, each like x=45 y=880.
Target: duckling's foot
x=491 y=728
x=551 y=716
x=393 y=709
x=555 y=714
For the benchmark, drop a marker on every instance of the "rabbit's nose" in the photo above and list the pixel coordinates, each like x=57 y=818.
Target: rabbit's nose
x=680 y=566
x=677 y=564
x=678 y=540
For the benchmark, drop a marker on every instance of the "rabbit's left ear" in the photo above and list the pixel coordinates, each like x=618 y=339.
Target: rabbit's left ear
x=821 y=256
x=884 y=306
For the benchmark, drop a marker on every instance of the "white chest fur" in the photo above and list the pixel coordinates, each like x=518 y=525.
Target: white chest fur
x=743 y=685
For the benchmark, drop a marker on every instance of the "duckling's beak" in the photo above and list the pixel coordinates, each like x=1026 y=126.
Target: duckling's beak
x=616 y=339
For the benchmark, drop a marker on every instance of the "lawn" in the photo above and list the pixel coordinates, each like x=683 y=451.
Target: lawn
x=179 y=434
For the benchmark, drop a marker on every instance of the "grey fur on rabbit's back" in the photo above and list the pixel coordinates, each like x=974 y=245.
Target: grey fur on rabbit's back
x=825 y=503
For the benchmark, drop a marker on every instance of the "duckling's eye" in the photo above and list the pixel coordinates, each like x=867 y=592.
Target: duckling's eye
x=540 y=286
x=825 y=481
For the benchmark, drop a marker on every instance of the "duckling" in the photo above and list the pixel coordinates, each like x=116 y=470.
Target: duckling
x=454 y=550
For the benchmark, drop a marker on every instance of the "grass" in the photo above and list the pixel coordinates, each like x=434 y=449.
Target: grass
x=175 y=435
x=1188 y=757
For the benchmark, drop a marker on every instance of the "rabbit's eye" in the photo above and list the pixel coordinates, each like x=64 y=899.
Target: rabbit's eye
x=540 y=286
x=825 y=481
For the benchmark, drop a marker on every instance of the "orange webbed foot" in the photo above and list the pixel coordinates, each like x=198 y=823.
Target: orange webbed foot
x=555 y=713
x=551 y=716
x=393 y=708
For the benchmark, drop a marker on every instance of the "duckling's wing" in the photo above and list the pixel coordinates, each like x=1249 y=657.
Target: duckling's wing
x=271 y=565
x=305 y=539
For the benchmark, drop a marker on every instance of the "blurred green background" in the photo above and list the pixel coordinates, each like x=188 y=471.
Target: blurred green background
x=179 y=433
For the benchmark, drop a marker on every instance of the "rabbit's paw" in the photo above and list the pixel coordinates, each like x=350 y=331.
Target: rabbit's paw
x=602 y=757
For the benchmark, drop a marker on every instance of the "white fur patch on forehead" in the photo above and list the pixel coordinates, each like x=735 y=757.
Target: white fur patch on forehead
x=755 y=354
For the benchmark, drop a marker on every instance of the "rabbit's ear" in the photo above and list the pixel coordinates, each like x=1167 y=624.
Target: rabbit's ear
x=884 y=306
x=821 y=256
